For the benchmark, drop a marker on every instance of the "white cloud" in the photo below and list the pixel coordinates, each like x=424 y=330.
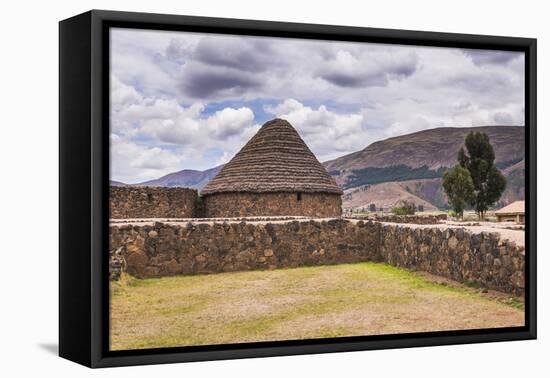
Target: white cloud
x=368 y=68
x=123 y=95
x=132 y=163
x=226 y=156
x=327 y=133
x=174 y=124
x=154 y=136
x=229 y=122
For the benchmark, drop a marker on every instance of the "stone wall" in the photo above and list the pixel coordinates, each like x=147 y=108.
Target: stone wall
x=483 y=259
x=152 y=202
x=404 y=219
x=162 y=250
x=414 y=219
x=316 y=205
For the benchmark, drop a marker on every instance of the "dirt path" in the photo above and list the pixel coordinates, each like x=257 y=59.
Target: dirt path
x=315 y=302
x=515 y=235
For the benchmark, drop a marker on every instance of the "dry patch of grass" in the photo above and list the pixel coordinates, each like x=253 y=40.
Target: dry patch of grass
x=301 y=303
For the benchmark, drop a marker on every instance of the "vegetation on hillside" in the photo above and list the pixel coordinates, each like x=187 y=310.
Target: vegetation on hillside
x=375 y=175
x=404 y=208
x=432 y=147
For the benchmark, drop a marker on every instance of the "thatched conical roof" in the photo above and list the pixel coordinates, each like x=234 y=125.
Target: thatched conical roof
x=276 y=159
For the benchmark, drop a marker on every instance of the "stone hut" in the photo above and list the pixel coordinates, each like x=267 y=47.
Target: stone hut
x=274 y=174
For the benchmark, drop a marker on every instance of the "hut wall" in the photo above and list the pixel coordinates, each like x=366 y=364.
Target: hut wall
x=321 y=205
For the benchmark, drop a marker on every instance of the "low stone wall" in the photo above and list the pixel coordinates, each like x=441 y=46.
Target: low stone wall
x=152 y=202
x=314 y=205
x=117 y=263
x=409 y=219
x=163 y=250
x=483 y=259
x=412 y=219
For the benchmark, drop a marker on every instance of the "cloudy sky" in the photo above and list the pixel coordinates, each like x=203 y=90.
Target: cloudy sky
x=191 y=101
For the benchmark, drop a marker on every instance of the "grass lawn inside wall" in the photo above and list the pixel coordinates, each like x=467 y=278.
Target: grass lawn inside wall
x=300 y=303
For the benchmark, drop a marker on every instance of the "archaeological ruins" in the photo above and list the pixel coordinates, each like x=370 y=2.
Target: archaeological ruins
x=275 y=173
x=275 y=206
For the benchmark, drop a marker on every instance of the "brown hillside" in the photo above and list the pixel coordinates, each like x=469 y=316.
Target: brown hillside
x=425 y=191
x=385 y=195
x=433 y=148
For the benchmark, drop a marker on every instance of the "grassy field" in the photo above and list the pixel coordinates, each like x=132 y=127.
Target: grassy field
x=312 y=302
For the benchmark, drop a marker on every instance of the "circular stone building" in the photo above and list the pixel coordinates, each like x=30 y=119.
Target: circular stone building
x=274 y=174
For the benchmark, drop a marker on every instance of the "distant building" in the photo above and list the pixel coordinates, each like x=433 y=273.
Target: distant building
x=514 y=212
x=274 y=174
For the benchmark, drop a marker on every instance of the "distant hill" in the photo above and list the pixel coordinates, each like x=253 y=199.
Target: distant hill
x=116 y=183
x=428 y=149
x=188 y=178
x=385 y=195
x=515 y=183
x=419 y=159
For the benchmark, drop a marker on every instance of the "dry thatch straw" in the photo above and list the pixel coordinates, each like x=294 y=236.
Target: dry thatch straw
x=276 y=159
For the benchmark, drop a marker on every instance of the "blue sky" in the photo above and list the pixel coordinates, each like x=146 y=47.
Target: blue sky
x=191 y=101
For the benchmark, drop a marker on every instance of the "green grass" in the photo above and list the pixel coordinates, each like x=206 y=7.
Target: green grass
x=473 y=284
x=309 y=302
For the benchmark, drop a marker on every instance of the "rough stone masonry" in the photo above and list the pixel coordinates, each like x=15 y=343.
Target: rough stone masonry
x=161 y=249
x=127 y=202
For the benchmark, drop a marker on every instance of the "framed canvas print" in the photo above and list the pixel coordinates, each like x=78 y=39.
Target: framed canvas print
x=234 y=188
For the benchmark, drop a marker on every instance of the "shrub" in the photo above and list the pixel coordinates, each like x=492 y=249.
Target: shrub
x=404 y=208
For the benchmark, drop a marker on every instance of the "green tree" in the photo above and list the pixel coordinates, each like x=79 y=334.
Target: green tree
x=479 y=160
x=404 y=207
x=459 y=187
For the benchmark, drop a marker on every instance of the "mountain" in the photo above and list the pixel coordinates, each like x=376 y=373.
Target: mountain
x=116 y=183
x=417 y=161
x=189 y=178
x=433 y=148
x=515 y=183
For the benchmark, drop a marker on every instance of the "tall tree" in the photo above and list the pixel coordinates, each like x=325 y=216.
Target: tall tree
x=479 y=160
x=459 y=187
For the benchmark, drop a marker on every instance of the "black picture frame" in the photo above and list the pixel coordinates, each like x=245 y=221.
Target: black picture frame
x=84 y=187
